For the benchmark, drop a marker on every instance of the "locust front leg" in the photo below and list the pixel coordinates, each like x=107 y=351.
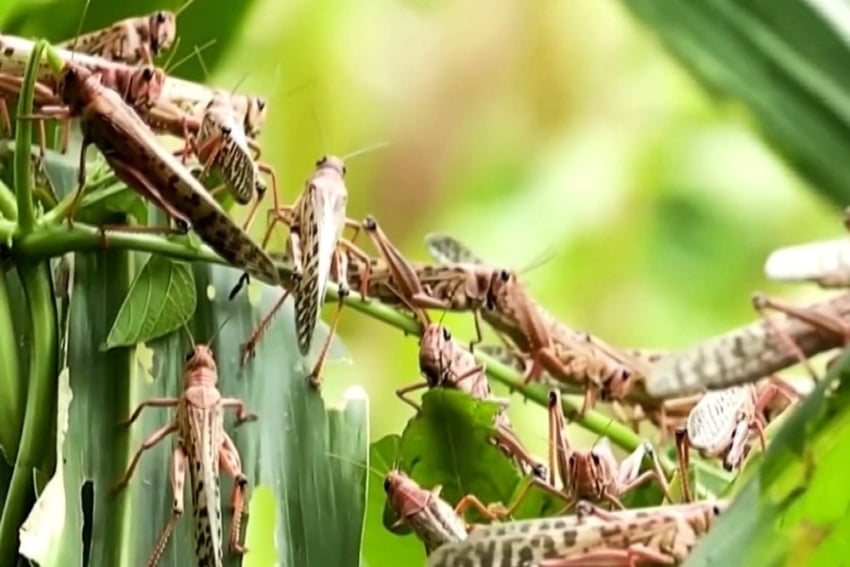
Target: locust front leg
x=630 y=477
x=152 y=440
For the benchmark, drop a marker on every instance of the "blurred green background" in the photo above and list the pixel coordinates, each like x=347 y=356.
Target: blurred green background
x=554 y=137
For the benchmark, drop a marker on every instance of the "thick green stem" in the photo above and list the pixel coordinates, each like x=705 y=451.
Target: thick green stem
x=40 y=417
x=23 y=141
x=11 y=382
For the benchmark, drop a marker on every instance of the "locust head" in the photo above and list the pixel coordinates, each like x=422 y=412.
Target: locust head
x=617 y=385
x=144 y=86
x=592 y=471
x=331 y=163
x=501 y=284
x=200 y=365
x=405 y=497
x=77 y=86
x=435 y=354
x=255 y=115
x=163 y=30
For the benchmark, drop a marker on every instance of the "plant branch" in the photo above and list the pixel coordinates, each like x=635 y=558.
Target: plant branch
x=8 y=207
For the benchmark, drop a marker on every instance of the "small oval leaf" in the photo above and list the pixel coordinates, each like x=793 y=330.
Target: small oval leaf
x=161 y=299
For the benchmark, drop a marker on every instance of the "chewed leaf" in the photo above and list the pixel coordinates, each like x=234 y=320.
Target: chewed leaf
x=161 y=299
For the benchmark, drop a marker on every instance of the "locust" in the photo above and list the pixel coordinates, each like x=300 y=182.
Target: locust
x=180 y=104
x=643 y=536
x=133 y=152
x=666 y=415
x=434 y=520
x=595 y=474
x=203 y=445
x=221 y=144
x=446 y=364
x=568 y=355
x=721 y=422
x=749 y=353
x=316 y=222
x=130 y=40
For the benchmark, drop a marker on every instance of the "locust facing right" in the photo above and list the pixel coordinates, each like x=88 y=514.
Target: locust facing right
x=663 y=535
x=130 y=40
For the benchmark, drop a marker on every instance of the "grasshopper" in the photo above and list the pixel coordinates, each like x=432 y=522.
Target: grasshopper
x=595 y=474
x=221 y=143
x=179 y=99
x=316 y=222
x=204 y=445
x=445 y=363
x=667 y=415
x=644 y=536
x=138 y=159
x=721 y=422
x=434 y=520
x=130 y=40
x=568 y=355
x=751 y=352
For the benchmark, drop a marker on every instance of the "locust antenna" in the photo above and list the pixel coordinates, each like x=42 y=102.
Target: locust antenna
x=220 y=327
x=185 y=5
x=79 y=28
x=196 y=51
x=367 y=149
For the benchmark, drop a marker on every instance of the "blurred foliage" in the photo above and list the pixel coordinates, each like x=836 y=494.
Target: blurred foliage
x=554 y=137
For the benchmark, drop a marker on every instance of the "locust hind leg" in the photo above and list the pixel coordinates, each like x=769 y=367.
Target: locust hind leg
x=230 y=462
x=178 y=480
x=682 y=449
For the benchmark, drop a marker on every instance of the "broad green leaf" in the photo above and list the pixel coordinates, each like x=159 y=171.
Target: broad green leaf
x=448 y=443
x=161 y=299
x=792 y=509
x=317 y=501
x=784 y=59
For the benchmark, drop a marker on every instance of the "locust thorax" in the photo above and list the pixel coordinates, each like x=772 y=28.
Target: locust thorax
x=590 y=472
x=331 y=163
x=435 y=350
x=162 y=30
x=200 y=368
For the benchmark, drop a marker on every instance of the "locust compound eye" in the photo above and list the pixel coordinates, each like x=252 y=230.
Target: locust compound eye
x=322 y=161
x=595 y=458
x=387 y=484
x=447 y=335
x=504 y=275
x=261 y=104
x=160 y=17
x=715 y=510
x=553 y=397
x=572 y=460
x=147 y=74
x=189 y=355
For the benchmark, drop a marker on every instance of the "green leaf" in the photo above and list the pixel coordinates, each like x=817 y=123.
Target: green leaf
x=448 y=443
x=784 y=59
x=317 y=501
x=161 y=299
x=792 y=509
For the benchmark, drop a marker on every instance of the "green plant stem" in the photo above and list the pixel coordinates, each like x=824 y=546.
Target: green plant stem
x=23 y=139
x=11 y=382
x=8 y=207
x=40 y=414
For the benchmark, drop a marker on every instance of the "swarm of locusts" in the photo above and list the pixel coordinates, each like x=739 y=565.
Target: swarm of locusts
x=716 y=397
